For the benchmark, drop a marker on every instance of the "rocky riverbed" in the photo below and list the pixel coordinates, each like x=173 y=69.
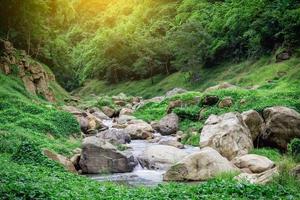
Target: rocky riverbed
x=121 y=148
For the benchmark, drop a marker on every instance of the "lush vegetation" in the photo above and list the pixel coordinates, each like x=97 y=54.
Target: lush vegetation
x=100 y=48
x=131 y=40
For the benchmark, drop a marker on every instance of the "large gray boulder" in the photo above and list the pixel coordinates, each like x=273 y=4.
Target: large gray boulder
x=228 y=134
x=114 y=136
x=98 y=114
x=255 y=123
x=160 y=156
x=139 y=130
x=167 y=125
x=260 y=178
x=282 y=125
x=253 y=163
x=175 y=91
x=199 y=166
x=99 y=156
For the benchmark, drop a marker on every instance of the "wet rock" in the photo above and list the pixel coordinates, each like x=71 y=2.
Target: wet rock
x=210 y=100
x=199 y=166
x=254 y=122
x=160 y=156
x=167 y=125
x=261 y=178
x=255 y=163
x=68 y=165
x=99 y=156
x=282 y=125
x=228 y=134
x=226 y=102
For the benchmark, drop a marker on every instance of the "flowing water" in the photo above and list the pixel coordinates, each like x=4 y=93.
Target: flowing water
x=140 y=175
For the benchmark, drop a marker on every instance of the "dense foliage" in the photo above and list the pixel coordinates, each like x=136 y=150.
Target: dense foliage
x=124 y=40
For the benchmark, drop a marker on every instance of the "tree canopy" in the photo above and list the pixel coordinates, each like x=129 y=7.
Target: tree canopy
x=131 y=39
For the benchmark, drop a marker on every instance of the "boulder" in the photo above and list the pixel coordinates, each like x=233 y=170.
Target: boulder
x=254 y=122
x=84 y=123
x=171 y=142
x=139 y=130
x=167 y=125
x=175 y=91
x=99 y=156
x=75 y=160
x=228 y=134
x=68 y=165
x=160 y=157
x=90 y=124
x=253 y=163
x=296 y=171
x=125 y=119
x=210 y=100
x=126 y=111
x=98 y=114
x=73 y=110
x=120 y=103
x=199 y=166
x=226 y=102
x=282 y=125
x=224 y=85
x=108 y=111
x=174 y=104
x=284 y=55
x=261 y=178
x=114 y=136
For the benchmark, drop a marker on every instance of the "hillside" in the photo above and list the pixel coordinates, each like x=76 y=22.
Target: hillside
x=264 y=72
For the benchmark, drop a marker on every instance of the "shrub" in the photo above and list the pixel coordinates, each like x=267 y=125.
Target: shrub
x=105 y=101
x=189 y=112
x=30 y=153
x=294 y=148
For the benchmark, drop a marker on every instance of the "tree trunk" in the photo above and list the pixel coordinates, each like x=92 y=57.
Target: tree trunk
x=167 y=65
x=151 y=72
x=28 y=43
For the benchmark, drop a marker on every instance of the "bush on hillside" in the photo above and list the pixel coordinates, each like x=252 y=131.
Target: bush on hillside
x=294 y=148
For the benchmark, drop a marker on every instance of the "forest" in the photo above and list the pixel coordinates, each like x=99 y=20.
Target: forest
x=149 y=99
x=131 y=40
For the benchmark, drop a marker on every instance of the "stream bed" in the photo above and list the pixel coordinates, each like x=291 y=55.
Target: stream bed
x=139 y=176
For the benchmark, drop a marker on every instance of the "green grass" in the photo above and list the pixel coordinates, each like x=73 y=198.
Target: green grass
x=248 y=73
x=272 y=154
x=29 y=181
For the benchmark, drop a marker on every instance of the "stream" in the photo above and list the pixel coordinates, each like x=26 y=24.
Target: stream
x=139 y=176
